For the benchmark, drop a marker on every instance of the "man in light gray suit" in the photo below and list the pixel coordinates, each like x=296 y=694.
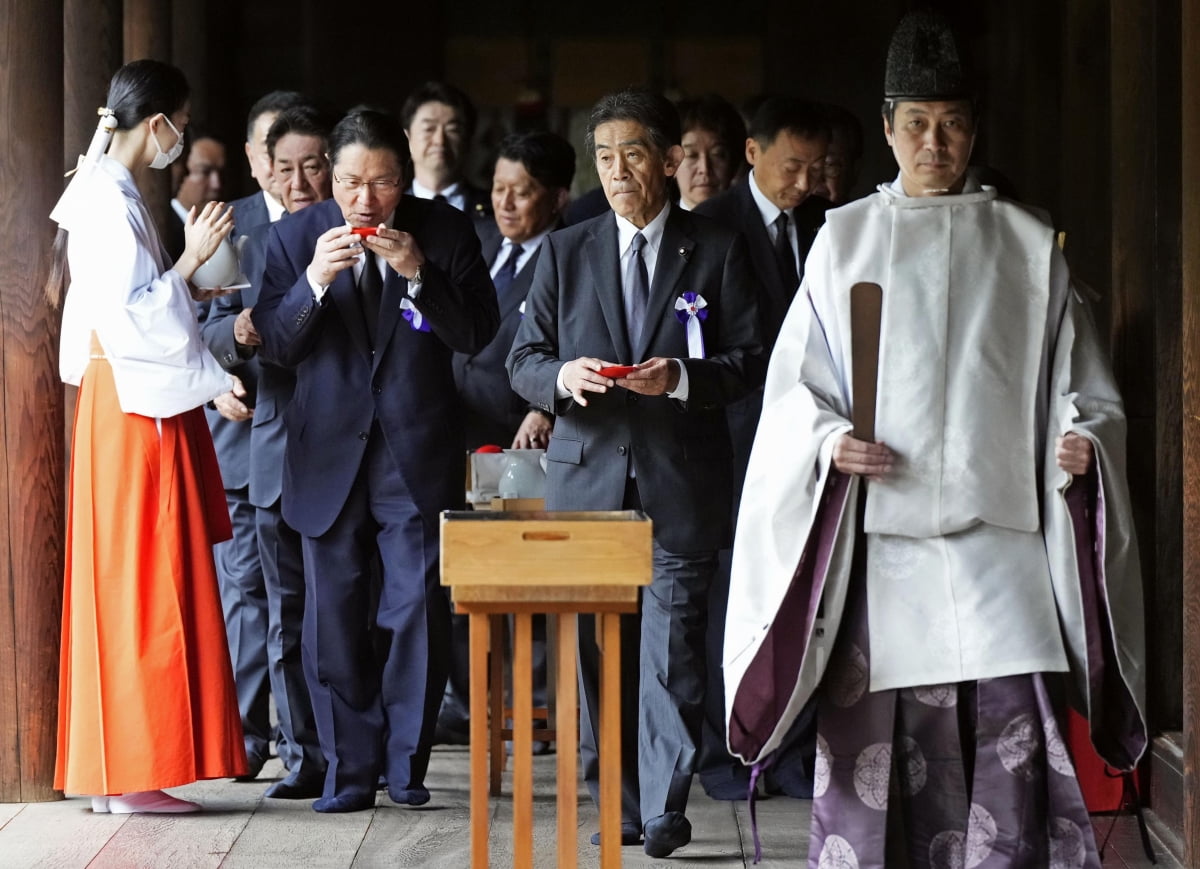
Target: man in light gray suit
x=651 y=284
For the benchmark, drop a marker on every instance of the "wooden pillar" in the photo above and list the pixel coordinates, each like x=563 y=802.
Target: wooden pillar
x=147 y=29
x=1134 y=197
x=91 y=54
x=189 y=52
x=1189 y=107
x=31 y=445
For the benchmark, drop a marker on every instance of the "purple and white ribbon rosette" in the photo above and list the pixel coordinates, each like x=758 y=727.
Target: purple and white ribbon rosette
x=690 y=309
x=410 y=313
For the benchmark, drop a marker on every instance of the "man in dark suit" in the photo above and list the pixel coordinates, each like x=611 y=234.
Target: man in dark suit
x=374 y=447
x=296 y=143
x=439 y=121
x=530 y=189
x=776 y=210
x=651 y=284
x=239 y=568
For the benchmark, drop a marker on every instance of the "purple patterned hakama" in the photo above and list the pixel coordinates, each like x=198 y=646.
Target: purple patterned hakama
x=973 y=775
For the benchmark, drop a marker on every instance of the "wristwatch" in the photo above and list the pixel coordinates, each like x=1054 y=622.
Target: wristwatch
x=418 y=275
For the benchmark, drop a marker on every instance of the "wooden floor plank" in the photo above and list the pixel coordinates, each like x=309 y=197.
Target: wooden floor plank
x=8 y=811
x=241 y=830
x=58 y=834
x=197 y=841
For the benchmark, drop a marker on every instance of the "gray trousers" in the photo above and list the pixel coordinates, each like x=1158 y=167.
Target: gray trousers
x=244 y=603
x=662 y=688
x=283 y=570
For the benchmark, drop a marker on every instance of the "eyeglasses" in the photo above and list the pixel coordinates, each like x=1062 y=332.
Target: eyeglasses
x=380 y=187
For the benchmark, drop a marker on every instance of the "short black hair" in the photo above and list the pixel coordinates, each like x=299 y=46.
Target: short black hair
x=275 y=101
x=440 y=92
x=799 y=117
x=652 y=110
x=374 y=130
x=144 y=88
x=302 y=120
x=548 y=157
x=717 y=115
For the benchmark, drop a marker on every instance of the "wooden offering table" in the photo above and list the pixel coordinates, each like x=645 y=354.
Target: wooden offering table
x=562 y=564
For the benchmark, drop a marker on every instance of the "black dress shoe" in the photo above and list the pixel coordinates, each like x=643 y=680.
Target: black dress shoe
x=409 y=796
x=351 y=802
x=296 y=787
x=254 y=765
x=631 y=834
x=666 y=833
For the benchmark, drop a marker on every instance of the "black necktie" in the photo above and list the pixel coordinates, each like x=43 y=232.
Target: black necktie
x=440 y=198
x=637 y=289
x=508 y=271
x=784 y=255
x=370 y=291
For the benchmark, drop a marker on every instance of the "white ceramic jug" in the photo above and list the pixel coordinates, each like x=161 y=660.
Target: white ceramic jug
x=523 y=476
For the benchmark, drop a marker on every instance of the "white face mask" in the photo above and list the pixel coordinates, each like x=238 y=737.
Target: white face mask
x=163 y=159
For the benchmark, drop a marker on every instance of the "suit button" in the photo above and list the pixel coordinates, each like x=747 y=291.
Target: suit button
x=633 y=398
x=362 y=435
x=377 y=389
x=622 y=450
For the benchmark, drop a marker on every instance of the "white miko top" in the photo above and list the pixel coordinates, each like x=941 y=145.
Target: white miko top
x=142 y=311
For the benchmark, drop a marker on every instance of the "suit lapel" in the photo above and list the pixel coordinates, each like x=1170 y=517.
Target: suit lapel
x=604 y=258
x=762 y=253
x=519 y=288
x=673 y=253
x=395 y=288
x=345 y=296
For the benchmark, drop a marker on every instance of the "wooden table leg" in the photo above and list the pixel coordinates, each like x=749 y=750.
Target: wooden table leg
x=495 y=683
x=610 y=740
x=566 y=722
x=480 y=815
x=522 y=682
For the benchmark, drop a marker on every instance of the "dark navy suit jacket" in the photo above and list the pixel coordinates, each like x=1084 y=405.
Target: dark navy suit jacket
x=681 y=451
x=736 y=209
x=493 y=411
x=405 y=386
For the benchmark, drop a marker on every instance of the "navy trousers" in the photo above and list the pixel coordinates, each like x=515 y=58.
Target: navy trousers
x=375 y=689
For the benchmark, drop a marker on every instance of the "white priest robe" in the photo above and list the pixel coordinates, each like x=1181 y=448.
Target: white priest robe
x=123 y=289
x=973 y=566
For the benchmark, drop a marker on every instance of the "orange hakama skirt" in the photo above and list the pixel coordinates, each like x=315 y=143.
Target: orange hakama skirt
x=146 y=693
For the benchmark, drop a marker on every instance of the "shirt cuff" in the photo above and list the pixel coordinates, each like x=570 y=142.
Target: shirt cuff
x=318 y=291
x=681 y=388
x=560 y=390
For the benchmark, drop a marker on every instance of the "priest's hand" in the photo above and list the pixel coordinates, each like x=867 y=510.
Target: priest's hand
x=871 y=460
x=1074 y=453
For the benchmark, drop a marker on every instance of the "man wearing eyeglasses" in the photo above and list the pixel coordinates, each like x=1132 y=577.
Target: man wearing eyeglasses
x=367 y=296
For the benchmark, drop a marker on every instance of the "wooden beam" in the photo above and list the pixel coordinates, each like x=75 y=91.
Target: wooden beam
x=91 y=54
x=31 y=427
x=1189 y=107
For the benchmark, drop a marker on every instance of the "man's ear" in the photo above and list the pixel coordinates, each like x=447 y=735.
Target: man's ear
x=561 y=200
x=752 y=151
x=672 y=159
x=887 y=133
